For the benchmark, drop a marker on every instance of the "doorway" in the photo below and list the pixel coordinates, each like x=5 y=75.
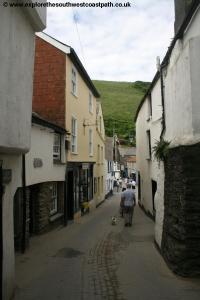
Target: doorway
x=154 y=189
x=70 y=195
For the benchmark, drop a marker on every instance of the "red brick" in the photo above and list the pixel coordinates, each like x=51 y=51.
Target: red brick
x=49 y=82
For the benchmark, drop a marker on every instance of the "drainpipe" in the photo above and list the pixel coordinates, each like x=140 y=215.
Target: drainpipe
x=160 y=68
x=65 y=199
x=23 y=245
x=1 y=229
x=163 y=103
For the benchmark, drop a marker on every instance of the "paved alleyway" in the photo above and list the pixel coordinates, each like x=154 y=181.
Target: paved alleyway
x=93 y=260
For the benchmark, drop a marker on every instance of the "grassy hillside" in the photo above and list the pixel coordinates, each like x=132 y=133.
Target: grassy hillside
x=119 y=102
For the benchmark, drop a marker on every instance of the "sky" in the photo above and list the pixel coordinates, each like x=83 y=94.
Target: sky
x=117 y=44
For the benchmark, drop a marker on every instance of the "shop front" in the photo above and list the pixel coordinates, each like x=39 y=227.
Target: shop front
x=79 y=188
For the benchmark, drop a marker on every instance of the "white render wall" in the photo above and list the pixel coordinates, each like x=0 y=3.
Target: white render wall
x=182 y=88
x=42 y=147
x=13 y=162
x=16 y=75
x=151 y=169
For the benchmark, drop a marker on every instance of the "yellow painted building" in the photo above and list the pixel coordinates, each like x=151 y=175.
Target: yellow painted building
x=84 y=121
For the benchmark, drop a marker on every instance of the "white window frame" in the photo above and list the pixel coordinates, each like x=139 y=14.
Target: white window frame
x=90 y=103
x=74 y=135
x=74 y=75
x=54 y=199
x=57 y=146
x=90 y=142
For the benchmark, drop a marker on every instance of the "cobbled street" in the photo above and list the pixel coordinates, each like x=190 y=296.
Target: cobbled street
x=92 y=259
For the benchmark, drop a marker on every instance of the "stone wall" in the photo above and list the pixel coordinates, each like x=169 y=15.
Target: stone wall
x=181 y=228
x=42 y=220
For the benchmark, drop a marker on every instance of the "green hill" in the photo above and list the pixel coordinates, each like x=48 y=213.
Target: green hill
x=119 y=103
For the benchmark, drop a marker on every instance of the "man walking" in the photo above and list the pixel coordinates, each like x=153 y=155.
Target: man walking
x=128 y=201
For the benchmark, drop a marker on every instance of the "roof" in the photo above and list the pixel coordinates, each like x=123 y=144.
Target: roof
x=70 y=52
x=194 y=7
x=37 y=119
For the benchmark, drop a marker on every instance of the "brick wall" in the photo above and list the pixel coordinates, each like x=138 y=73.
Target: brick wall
x=49 y=82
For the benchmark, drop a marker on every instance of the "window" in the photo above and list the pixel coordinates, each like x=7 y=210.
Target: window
x=101 y=184
x=90 y=103
x=98 y=154
x=74 y=81
x=100 y=123
x=57 y=147
x=54 y=199
x=149 y=143
x=90 y=142
x=102 y=155
x=74 y=136
x=149 y=107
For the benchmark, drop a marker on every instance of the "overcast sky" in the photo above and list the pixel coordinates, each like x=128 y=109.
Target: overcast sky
x=119 y=44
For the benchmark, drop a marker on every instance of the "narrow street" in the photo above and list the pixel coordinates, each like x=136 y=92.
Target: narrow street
x=92 y=259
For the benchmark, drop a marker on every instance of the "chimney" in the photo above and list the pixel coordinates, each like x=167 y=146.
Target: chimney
x=182 y=8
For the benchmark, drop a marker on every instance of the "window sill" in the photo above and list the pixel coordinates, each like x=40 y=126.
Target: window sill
x=75 y=95
x=55 y=217
x=149 y=118
x=58 y=162
x=74 y=153
x=148 y=158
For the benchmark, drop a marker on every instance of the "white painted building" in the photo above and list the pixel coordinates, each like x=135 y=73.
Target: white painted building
x=44 y=170
x=109 y=166
x=18 y=27
x=170 y=111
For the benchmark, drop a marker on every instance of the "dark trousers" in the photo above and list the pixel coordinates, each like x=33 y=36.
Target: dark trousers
x=128 y=214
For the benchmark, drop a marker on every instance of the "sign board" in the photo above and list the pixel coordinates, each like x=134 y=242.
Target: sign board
x=37 y=163
x=85 y=166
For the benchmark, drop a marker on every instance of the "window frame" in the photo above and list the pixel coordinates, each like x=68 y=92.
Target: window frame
x=74 y=135
x=148 y=132
x=54 y=198
x=91 y=150
x=91 y=104
x=74 y=81
x=57 y=154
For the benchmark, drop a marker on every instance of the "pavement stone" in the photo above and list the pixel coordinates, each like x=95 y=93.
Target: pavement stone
x=93 y=260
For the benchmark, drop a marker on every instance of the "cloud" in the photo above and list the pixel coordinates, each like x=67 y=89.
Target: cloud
x=116 y=43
